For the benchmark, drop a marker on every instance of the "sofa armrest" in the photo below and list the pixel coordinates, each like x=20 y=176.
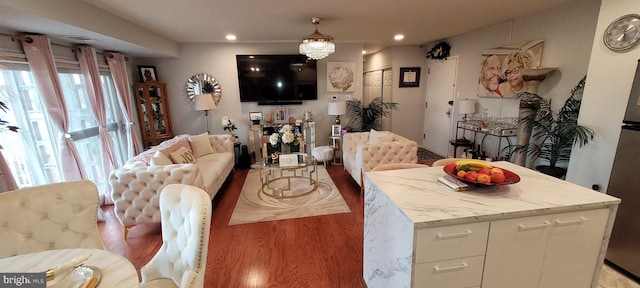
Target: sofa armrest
x=372 y=155
x=135 y=191
x=351 y=141
x=221 y=143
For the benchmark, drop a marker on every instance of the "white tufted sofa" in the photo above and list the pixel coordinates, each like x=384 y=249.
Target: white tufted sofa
x=359 y=155
x=136 y=186
x=47 y=217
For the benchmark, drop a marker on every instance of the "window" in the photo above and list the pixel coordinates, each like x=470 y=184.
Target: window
x=32 y=154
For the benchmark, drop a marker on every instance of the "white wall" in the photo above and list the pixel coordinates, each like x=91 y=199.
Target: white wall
x=604 y=100
x=219 y=60
x=408 y=119
x=567 y=32
x=567 y=46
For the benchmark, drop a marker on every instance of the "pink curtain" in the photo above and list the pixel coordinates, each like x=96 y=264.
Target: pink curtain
x=38 y=51
x=89 y=66
x=7 y=182
x=118 y=68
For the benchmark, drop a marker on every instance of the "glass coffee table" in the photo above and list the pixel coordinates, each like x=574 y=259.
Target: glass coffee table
x=276 y=179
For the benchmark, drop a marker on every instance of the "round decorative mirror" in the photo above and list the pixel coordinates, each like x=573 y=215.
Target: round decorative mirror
x=203 y=83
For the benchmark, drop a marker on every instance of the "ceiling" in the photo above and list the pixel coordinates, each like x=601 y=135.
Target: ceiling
x=372 y=23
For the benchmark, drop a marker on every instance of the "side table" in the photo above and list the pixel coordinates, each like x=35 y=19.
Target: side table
x=336 y=144
x=236 y=153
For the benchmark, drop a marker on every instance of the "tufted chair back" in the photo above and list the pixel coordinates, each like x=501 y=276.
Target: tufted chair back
x=186 y=221
x=54 y=216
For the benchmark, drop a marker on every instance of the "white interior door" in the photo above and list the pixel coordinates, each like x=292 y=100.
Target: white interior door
x=387 y=90
x=441 y=76
x=378 y=83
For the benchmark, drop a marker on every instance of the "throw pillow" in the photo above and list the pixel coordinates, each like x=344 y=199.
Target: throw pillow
x=182 y=156
x=169 y=146
x=380 y=136
x=160 y=159
x=200 y=145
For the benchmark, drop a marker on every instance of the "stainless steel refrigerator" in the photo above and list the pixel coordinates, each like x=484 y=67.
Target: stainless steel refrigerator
x=624 y=183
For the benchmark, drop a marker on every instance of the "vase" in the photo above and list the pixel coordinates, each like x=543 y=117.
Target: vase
x=285 y=148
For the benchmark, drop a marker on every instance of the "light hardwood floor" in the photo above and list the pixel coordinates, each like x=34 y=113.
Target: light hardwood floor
x=321 y=251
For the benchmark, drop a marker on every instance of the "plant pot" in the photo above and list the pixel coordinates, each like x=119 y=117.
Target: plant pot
x=557 y=172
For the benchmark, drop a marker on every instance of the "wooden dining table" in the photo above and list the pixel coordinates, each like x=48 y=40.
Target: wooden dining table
x=115 y=270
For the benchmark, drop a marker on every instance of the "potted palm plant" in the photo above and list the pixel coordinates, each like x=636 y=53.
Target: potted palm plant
x=367 y=117
x=553 y=136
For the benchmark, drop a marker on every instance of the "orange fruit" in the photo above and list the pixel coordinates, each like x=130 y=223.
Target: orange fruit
x=461 y=173
x=497 y=177
x=483 y=178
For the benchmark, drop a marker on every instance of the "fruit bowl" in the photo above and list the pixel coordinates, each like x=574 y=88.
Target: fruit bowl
x=509 y=177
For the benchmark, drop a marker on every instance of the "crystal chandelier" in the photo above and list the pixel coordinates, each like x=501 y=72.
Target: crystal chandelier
x=317 y=46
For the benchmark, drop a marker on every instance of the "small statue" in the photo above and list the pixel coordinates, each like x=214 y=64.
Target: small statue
x=275 y=156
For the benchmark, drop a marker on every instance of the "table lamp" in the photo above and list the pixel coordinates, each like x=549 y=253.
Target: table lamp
x=205 y=102
x=337 y=108
x=466 y=106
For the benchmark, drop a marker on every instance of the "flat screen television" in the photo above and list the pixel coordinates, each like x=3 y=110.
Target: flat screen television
x=277 y=79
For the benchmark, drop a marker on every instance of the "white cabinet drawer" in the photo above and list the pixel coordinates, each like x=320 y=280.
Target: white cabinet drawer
x=450 y=242
x=463 y=272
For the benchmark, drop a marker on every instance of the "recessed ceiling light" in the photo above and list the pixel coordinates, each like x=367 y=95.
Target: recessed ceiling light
x=364 y=52
x=231 y=37
x=398 y=37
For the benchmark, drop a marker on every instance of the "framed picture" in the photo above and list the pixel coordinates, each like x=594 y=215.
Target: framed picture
x=336 y=130
x=282 y=115
x=502 y=69
x=147 y=73
x=255 y=117
x=341 y=76
x=410 y=77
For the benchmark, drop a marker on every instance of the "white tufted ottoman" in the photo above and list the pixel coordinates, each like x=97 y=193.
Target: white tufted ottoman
x=322 y=153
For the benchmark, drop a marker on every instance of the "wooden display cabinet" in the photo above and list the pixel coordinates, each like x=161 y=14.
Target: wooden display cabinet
x=153 y=113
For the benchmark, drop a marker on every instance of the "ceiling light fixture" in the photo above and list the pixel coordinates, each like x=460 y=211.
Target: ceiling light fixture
x=398 y=37
x=231 y=37
x=317 y=46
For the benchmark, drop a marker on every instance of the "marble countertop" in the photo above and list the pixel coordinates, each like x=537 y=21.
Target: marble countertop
x=428 y=203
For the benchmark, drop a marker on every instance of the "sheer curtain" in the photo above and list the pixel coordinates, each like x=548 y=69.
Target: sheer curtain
x=42 y=65
x=7 y=183
x=118 y=68
x=89 y=66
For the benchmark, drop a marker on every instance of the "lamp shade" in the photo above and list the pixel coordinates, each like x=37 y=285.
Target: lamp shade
x=337 y=108
x=467 y=106
x=205 y=102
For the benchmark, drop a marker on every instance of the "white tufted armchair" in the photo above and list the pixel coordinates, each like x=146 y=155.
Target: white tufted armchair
x=360 y=155
x=54 y=216
x=186 y=221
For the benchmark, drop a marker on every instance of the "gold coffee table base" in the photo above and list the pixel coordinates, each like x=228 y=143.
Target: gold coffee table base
x=272 y=175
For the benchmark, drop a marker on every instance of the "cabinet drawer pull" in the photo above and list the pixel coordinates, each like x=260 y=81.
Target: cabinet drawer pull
x=569 y=222
x=534 y=226
x=461 y=266
x=454 y=235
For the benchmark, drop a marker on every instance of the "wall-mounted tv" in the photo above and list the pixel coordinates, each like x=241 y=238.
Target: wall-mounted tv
x=277 y=79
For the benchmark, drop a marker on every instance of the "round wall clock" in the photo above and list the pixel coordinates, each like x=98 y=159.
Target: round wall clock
x=623 y=33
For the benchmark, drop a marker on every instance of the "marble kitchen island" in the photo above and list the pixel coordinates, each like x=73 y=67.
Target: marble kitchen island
x=540 y=232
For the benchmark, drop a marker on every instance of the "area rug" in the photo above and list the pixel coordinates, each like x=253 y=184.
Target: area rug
x=254 y=206
x=424 y=154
